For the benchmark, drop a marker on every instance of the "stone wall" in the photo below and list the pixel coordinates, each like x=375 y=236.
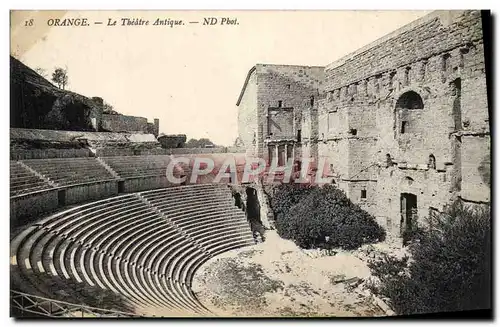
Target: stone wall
x=289 y=90
x=430 y=186
x=404 y=116
x=418 y=92
x=172 y=141
x=272 y=101
x=475 y=186
x=91 y=191
x=27 y=207
x=247 y=113
x=219 y=150
x=424 y=39
x=144 y=183
x=22 y=134
x=122 y=123
x=130 y=151
x=21 y=154
x=335 y=152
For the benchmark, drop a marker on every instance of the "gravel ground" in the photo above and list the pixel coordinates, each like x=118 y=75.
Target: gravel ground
x=277 y=279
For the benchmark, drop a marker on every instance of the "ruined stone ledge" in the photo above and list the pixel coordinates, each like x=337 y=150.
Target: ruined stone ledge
x=350 y=137
x=358 y=180
x=481 y=133
x=385 y=71
x=280 y=140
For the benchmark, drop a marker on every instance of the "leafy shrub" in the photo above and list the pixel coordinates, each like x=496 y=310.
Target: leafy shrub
x=450 y=268
x=322 y=217
x=284 y=196
x=412 y=233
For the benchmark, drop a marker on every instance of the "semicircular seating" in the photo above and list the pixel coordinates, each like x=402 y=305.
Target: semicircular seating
x=144 y=247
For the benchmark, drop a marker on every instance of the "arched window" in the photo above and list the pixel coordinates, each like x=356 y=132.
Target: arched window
x=388 y=160
x=410 y=100
x=432 y=162
x=409 y=180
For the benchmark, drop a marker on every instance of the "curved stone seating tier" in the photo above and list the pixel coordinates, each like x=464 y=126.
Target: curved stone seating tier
x=145 y=247
x=135 y=166
x=197 y=224
x=189 y=199
x=204 y=238
x=181 y=192
x=24 y=181
x=67 y=216
x=171 y=204
x=68 y=171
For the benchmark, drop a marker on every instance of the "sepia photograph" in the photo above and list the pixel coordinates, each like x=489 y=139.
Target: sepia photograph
x=250 y=164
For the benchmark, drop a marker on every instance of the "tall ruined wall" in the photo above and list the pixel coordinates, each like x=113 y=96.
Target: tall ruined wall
x=336 y=155
x=429 y=36
x=417 y=92
x=122 y=123
x=429 y=185
x=172 y=141
x=293 y=88
x=403 y=122
x=332 y=138
x=475 y=170
x=310 y=133
x=425 y=59
x=247 y=114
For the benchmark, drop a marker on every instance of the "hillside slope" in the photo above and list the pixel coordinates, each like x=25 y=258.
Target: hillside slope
x=36 y=103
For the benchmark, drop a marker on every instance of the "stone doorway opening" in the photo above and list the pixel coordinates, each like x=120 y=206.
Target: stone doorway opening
x=408 y=212
x=253 y=214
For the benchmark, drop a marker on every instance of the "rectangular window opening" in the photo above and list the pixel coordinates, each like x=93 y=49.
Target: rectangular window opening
x=61 y=198
x=404 y=127
x=121 y=187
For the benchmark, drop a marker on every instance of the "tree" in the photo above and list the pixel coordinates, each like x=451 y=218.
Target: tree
x=450 y=268
x=60 y=77
x=42 y=72
x=322 y=217
x=238 y=142
x=201 y=143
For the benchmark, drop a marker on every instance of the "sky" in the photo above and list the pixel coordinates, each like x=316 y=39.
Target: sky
x=189 y=76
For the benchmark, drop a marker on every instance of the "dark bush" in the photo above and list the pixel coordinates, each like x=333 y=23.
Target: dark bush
x=284 y=196
x=450 y=267
x=322 y=217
